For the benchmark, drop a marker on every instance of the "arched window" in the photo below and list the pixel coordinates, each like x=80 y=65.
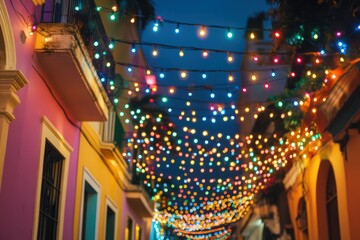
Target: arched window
x=327 y=203
x=332 y=207
x=301 y=218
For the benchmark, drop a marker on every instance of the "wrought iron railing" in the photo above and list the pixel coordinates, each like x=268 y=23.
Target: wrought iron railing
x=85 y=16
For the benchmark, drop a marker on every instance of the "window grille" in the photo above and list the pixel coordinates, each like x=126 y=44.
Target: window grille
x=50 y=192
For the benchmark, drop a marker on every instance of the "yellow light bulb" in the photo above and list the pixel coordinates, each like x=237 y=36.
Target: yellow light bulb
x=230 y=57
x=252 y=35
x=155 y=52
x=183 y=74
x=202 y=31
x=231 y=77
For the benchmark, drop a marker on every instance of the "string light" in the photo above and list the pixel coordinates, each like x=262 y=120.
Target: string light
x=231 y=77
x=183 y=74
x=253 y=77
x=133 y=49
x=177 y=29
x=155 y=52
x=229 y=33
x=205 y=53
x=202 y=31
x=156 y=26
x=181 y=53
x=204 y=75
x=132 y=20
x=273 y=73
x=230 y=58
x=113 y=16
x=221 y=199
x=252 y=35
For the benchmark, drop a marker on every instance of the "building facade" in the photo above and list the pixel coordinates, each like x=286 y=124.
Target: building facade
x=61 y=176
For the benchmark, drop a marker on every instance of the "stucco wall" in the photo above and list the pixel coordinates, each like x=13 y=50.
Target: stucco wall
x=18 y=193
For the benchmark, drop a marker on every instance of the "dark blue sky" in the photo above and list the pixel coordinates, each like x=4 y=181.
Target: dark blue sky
x=223 y=13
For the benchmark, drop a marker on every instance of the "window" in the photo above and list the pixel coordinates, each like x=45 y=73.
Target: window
x=51 y=183
x=90 y=208
x=50 y=192
x=128 y=229
x=332 y=207
x=110 y=224
x=137 y=232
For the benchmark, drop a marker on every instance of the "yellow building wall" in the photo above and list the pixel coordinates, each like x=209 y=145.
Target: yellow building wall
x=316 y=228
x=90 y=160
x=294 y=194
x=352 y=168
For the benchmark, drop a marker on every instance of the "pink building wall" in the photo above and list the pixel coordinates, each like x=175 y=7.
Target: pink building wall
x=20 y=174
x=144 y=223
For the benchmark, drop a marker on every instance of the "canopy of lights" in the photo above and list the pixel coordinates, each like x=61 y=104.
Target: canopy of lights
x=200 y=172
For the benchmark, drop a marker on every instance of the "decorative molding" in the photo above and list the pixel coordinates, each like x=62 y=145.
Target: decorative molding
x=10 y=82
x=7 y=33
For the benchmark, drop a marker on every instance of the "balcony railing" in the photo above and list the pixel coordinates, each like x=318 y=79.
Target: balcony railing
x=85 y=16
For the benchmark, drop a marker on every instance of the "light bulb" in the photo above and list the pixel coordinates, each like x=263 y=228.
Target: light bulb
x=231 y=77
x=229 y=34
x=202 y=31
x=156 y=26
x=230 y=57
x=253 y=77
x=155 y=52
x=181 y=53
x=133 y=49
x=205 y=53
x=177 y=29
x=252 y=35
x=183 y=74
x=273 y=74
x=112 y=17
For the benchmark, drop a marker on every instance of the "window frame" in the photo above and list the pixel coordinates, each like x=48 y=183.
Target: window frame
x=50 y=133
x=131 y=231
x=109 y=203
x=89 y=179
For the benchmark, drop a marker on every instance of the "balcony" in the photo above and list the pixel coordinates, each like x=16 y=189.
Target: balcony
x=112 y=144
x=76 y=68
x=139 y=201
